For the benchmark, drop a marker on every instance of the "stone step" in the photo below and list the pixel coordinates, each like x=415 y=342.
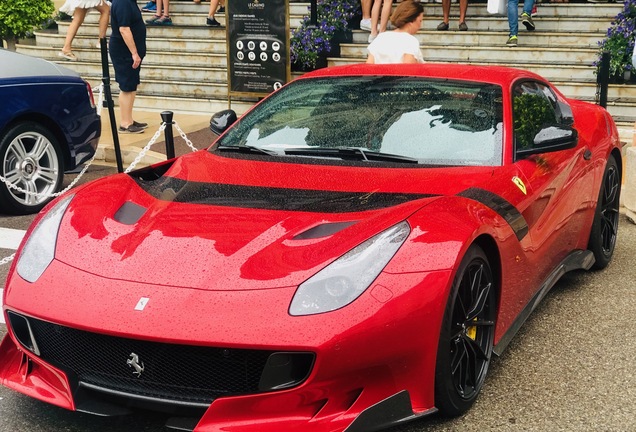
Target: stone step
x=497 y=54
x=176 y=45
x=295 y=7
x=152 y=58
x=190 y=105
x=498 y=38
x=547 y=23
x=187 y=18
x=92 y=72
x=199 y=31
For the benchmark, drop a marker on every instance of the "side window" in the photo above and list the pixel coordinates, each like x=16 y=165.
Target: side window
x=533 y=106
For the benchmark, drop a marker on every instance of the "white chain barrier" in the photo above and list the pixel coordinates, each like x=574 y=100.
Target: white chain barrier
x=6 y=260
x=132 y=166
x=100 y=100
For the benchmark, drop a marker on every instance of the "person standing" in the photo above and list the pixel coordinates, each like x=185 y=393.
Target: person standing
x=513 y=19
x=446 y=5
x=379 y=17
x=162 y=14
x=79 y=8
x=365 y=22
x=399 y=45
x=211 y=21
x=127 y=48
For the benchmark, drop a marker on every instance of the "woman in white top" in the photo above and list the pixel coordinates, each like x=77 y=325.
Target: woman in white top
x=399 y=45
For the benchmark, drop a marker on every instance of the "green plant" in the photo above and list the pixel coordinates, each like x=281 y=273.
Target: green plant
x=19 y=17
x=309 y=41
x=619 y=40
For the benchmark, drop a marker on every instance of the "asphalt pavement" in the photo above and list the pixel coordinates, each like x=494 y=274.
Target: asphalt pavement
x=570 y=368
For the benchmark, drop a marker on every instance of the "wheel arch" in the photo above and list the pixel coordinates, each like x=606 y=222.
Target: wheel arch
x=49 y=124
x=490 y=248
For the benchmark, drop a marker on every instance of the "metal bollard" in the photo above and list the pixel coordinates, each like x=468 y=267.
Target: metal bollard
x=166 y=117
x=602 y=79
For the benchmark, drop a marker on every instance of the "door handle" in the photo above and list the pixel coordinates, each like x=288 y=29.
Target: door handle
x=587 y=154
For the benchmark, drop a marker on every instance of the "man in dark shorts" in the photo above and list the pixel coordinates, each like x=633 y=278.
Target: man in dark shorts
x=127 y=48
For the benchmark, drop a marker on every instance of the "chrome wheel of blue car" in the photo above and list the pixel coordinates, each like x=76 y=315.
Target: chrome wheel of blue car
x=32 y=168
x=605 y=226
x=467 y=335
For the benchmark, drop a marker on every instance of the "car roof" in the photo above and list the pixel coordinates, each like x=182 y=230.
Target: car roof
x=501 y=75
x=16 y=65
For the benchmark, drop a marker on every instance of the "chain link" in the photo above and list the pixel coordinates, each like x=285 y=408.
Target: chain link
x=100 y=101
x=132 y=166
x=6 y=260
x=185 y=138
x=143 y=151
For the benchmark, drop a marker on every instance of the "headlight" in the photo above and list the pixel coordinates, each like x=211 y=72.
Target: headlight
x=346 y=278
x=39 y=250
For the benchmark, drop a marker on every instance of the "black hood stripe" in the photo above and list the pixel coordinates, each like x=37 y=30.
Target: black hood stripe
x=506 y=210
x=269 y=198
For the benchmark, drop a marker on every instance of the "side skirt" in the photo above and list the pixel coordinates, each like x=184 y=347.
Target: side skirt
x=392 y=411
x=577 y=260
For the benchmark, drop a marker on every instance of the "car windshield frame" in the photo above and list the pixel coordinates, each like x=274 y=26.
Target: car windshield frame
x=429 y=121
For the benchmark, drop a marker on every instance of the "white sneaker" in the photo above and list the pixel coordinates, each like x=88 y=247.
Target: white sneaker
x=365 y=24
x=371 y=38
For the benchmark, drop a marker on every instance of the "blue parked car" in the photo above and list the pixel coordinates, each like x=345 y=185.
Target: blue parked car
x=48 y=125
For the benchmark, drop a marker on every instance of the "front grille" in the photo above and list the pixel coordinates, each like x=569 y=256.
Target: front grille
x=180 y=373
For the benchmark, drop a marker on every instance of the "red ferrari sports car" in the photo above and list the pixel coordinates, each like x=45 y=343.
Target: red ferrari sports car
x=348 y=255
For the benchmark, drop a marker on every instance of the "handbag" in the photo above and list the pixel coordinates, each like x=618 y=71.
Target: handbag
x=497 y=7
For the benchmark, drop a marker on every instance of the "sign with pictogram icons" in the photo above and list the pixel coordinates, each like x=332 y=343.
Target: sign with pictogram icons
x=258 y=46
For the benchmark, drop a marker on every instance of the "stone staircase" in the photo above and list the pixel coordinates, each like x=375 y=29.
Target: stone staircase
x=185 y=68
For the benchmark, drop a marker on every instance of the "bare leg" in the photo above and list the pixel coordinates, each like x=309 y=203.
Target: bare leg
x=78 y=18
x=126 y=102
x=366 y=9
x=387 y=5
x=104 y=16
x=375 y=17
x=463 y=7
x=213 y=6
x=446 y=5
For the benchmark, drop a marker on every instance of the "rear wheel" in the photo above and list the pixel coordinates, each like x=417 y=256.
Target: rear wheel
x=605 y=226
x=467 y=334
x=30 y=159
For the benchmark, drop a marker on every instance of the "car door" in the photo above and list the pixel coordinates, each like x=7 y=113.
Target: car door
x=559 y=184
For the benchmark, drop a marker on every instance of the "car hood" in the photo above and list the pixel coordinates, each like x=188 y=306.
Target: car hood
x=217 y=223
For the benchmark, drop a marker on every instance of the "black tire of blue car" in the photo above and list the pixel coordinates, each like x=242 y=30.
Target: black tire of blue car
x=467 y=334
x=30 y=158
x=605 y=226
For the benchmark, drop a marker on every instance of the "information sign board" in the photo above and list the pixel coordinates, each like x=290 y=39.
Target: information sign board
x=258 y=46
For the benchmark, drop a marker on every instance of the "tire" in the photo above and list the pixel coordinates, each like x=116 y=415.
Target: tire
x=605 y=226
x=467 y=334
x=30 y=158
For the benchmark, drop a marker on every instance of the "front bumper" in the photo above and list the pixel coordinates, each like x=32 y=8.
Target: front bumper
x=367 y=353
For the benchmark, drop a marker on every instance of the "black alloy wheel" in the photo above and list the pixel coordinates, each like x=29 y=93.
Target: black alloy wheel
x=466 y=339
x=605 y=226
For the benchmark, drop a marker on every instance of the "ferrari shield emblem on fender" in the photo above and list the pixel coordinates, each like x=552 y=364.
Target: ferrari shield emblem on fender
x=522 y=187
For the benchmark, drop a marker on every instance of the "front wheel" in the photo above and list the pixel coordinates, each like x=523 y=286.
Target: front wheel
x=605 y=226
x=32 y=167
x=467 y=334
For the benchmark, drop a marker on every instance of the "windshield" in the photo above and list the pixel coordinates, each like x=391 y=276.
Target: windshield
x=435 y=122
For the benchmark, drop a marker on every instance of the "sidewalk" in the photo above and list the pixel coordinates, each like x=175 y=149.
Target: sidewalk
x=195 y=126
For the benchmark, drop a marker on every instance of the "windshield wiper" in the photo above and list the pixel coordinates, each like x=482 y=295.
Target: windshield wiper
x=350 y=153
x=247 y=149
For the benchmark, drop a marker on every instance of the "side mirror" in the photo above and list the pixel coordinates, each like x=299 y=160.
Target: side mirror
x=551 y=138
x=222 y=120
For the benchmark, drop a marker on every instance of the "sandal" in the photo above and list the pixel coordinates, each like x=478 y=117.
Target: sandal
x=68 y=55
